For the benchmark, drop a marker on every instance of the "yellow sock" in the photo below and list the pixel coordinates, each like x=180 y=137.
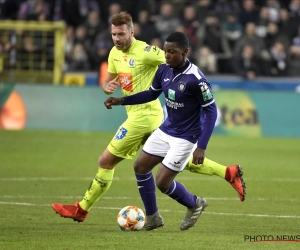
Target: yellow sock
x=98 y=187
x=208 y=167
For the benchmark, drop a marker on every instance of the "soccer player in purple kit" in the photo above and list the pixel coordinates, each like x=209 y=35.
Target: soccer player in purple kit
x=192 y=113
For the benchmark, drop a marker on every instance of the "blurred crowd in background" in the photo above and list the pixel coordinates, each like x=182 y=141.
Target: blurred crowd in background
x=247 y=38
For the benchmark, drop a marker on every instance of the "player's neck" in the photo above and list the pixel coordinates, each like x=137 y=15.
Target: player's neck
x=183 y=68
x=132 y=41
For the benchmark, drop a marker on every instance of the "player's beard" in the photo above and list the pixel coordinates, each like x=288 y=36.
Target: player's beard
x=124 y=46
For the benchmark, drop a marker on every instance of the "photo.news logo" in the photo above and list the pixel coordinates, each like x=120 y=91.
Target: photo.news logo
x=272 y=238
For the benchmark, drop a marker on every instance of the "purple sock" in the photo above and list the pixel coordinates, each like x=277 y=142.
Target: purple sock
x=146 y=186
x=179 y=193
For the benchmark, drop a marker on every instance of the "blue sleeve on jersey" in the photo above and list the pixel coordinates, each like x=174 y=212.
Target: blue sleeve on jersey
x=210 y=114
x=142 y=97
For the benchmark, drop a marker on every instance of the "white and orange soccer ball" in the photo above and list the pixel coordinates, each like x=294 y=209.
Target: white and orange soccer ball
x=131 y=218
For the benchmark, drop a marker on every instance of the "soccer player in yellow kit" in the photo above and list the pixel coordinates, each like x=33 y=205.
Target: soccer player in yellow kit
x=132 y=65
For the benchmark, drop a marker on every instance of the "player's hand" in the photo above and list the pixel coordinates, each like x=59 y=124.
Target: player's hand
x=113 y=101
x=111 y=86
x=198 y=156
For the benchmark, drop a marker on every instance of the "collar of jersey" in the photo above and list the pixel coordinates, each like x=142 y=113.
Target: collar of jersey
x=182 y=69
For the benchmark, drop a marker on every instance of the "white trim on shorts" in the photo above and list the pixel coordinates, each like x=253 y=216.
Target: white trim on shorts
x=175 y=151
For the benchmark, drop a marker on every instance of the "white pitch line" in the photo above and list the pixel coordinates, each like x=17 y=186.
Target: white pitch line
x=132 y=198
x=214 y=213
x=199 y=177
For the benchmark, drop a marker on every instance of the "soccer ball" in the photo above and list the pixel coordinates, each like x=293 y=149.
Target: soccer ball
x=131 y=218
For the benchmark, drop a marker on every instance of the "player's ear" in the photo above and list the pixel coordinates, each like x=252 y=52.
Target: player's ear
x=185 y=51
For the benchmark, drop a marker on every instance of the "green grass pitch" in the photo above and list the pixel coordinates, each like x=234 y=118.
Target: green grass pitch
x=38 y=168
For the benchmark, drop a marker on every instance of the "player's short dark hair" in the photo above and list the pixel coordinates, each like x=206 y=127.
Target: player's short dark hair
x=121 y=19
x=179 y=38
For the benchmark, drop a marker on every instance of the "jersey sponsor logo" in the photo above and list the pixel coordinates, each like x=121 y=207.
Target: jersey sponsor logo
x=206 y=93
x=181 y=86
x=147 y=48
x=131 y=63
x=125 y=79
x=121 y=134
x=171 y=94
x=170 y=102
x=174 y=105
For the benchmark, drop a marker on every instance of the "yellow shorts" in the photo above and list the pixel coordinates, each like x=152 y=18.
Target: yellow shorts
x=132 y=134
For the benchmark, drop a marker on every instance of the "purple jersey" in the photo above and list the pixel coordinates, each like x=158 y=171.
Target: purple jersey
x=186 y=91
x=189 y=102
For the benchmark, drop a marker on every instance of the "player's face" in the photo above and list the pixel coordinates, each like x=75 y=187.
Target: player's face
x=122 y=36
x=175 y=57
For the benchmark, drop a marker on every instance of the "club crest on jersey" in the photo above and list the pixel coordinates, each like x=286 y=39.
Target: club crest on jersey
x=131 y=63
x=125 y=58
x=206 y=94
x=181 y=86
x=121 y=134
x=171 y=94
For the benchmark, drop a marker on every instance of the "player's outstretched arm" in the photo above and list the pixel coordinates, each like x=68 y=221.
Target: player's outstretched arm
x=138 y=98
x=113 y=101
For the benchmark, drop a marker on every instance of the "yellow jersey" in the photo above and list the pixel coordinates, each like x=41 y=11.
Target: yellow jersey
x=136 y=69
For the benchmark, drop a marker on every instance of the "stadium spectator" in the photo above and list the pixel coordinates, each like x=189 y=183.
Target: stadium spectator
x=71 y=13
x=212 y=35
x=148 y=29
x=79 y=59
x=40 y=12
x=190 y=23
x=232 y=28
x=294 y=61
x=223 y=7
x=260 y=49
x=203 y=8
x=286 y=24
x=137 y=30
x=261 y=29
x=296 y=39
x=247 y=64
x=273 y=7
x=207 y=61
x=86 y=6
x=275 y=35
x=248 y=13
x=114 y=8
x=94 y=26
x=156 y=42
x=294 y=16
x=31 y=9
x=278 y=63
x=81 y=37
x=166 y=22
